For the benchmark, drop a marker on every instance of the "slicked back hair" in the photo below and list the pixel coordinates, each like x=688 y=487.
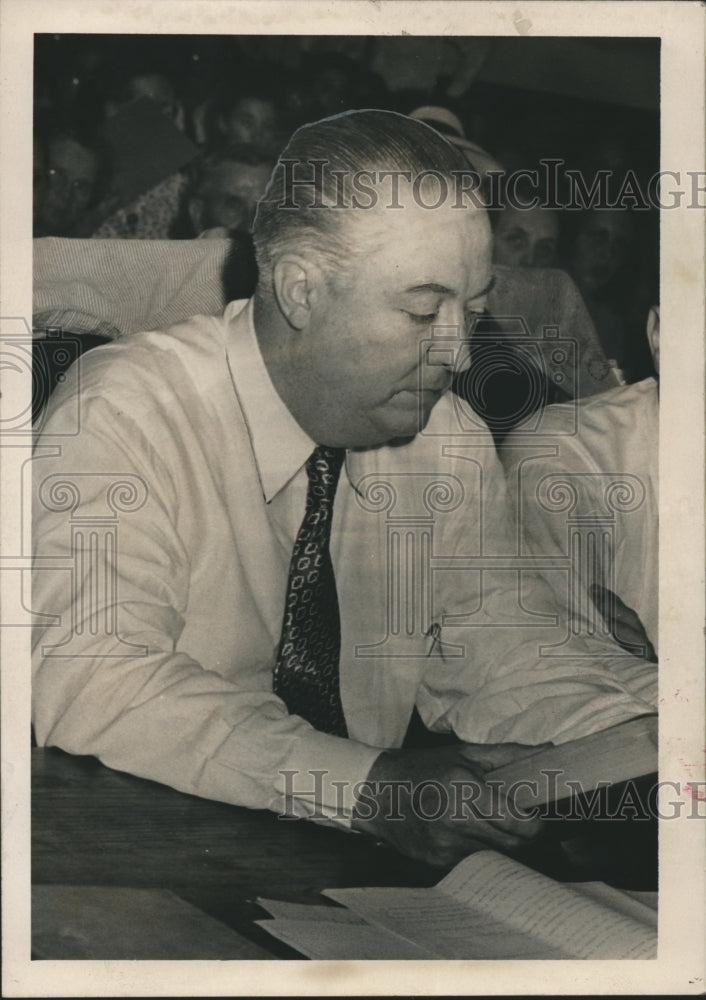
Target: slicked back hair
x=309 y=206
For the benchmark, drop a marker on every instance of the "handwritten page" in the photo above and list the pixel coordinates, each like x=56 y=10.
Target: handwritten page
x=431 y=919
x=490 y=906
x=638 y=905
x=554 y=913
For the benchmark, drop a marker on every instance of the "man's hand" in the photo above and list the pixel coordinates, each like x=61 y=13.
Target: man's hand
x=434 y=805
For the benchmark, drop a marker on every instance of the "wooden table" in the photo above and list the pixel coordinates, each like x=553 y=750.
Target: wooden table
x=92 y=826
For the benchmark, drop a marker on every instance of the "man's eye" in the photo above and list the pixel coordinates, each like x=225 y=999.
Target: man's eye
x=423 y=320
x=516 y=241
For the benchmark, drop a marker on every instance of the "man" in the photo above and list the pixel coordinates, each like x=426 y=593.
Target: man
x=602 y=452
x=67 y=172
x=153 y=212
x=249 y=119
x=225 y=618
x=526 y=237
x=224 y=193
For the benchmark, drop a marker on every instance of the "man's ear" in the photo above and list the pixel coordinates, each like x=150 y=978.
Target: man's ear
x=194 y=208
x=298 y=284
x=653 y=334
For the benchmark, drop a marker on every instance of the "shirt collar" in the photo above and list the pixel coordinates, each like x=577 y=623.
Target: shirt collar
x=279 y=444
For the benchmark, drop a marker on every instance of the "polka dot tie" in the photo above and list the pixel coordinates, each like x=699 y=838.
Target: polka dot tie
x=306 y=672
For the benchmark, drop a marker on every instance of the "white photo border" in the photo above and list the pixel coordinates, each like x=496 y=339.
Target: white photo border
x=680 y=966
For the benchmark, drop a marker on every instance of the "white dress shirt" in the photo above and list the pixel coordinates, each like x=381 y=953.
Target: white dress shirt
x=605 y=449
x=163 y=597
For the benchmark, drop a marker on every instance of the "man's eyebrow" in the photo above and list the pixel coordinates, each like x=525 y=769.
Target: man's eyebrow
x=433 y=286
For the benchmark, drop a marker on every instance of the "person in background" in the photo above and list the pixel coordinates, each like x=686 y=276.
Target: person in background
x=246 y=115
x=600 y=249
x=603 y=453
x=70 y=170
x=525 y=237
x=449 y=125
x=603 y=258
x=223 y=195
x=328 y=83
x=152 y=84
x=152 y=214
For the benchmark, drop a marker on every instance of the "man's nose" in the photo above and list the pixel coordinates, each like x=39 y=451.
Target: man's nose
x=535 y=258
x=449 y=349
x=463 y=359
x=462 y=320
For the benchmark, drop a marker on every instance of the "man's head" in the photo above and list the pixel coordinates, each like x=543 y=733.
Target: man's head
x=526 y=237
x=227 y=189
x=67 y=170
x=601 y=248
x=146 y=82
x=359 y=269
x=249 y=119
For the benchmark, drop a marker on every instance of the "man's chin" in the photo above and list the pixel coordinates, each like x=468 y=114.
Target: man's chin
x=404 y=427
x=404 y=416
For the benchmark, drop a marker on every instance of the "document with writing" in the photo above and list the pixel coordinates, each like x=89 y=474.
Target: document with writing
x=488 y=906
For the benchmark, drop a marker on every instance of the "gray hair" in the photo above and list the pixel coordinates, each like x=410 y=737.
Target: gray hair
x=310 y=206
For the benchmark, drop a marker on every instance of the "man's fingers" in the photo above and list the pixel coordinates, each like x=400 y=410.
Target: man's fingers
x=436 y=804
x=489 y=807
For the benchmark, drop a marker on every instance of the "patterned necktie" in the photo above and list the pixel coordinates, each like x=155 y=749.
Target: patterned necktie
x=306 y=672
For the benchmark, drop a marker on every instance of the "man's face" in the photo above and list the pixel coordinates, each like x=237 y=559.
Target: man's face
x=70 y=179
x=601 y=248
x=526 y=238
x=366 y=352
x=159 y=89
x=230 y=194
x=251 y=121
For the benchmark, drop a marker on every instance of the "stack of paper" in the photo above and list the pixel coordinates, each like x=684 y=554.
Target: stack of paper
x=489 y=906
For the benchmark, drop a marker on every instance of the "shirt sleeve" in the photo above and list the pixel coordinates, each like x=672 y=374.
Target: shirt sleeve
x=507 y=666
x=606 y=493
x=109 y=678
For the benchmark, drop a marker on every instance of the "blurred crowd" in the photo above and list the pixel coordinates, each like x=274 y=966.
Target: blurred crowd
x=174 y=137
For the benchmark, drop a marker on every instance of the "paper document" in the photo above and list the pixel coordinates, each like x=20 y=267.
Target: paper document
x=488 y=906
x=321 y=939
x=605 y=758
